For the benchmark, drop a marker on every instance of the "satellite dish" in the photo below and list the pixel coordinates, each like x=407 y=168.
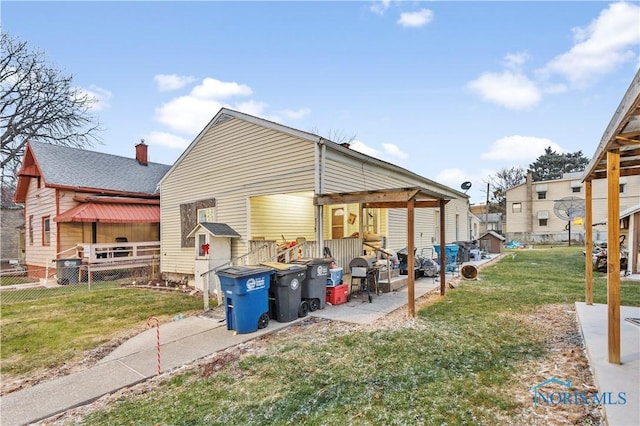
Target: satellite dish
x=466 y=185
x=569 y=208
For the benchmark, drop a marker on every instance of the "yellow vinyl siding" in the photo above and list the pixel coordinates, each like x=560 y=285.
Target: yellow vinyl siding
x=271 y=214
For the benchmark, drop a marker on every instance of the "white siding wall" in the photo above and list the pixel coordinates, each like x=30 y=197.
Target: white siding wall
x=233 y=161
x=345 y=174
x=39 y=203
x=241 y=164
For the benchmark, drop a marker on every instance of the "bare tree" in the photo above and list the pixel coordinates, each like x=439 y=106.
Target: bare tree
x=500 y=182
x=337 y=136
x=38 y=102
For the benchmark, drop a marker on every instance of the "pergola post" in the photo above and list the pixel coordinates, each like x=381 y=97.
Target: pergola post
x=399 y=198
x=588 y=229
x=613 y=254
x=443 y=262
x=410 y=258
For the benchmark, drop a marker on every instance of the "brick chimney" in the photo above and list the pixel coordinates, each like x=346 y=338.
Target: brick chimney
x=141 y=153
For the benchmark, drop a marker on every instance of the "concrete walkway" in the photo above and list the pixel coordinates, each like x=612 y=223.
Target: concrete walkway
x=193 y=338
x=182 y=342
x=614 y=378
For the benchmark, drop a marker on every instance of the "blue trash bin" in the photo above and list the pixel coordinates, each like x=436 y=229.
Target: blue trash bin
x=246 y=297
x=451 y=256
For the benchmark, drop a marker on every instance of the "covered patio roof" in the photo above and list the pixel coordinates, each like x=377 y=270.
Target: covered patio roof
x=618 y=154
x=622 y=135
x=409 y=198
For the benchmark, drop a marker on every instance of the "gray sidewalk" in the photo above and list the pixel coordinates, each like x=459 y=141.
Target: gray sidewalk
x=182 y=342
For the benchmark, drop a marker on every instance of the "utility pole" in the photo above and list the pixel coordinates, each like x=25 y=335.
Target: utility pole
x=486 y=211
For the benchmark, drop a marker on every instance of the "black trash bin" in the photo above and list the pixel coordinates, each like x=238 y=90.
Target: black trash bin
x=246 y=300
x=464 y=253
x=285 y=293
x=314 y=286
x=67 y=270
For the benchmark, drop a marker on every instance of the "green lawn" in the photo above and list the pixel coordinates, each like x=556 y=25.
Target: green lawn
x=455 y=365
x=46 y=328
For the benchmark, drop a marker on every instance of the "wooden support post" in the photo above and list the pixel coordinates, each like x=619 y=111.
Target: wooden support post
x=588 y=228
x=410 y=258
x=613 y=254
x=443 y=253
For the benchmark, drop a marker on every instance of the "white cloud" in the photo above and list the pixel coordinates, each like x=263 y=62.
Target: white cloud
x=507 y=89
x=518 y=149
x=389 y=151
x=167 y=140
x=187 y=114
x=515 y=61
x=364 y=148
x=210 y=88
x=379 y=7
x=255 y=108
x=167 y=82
x=100 y=97
x=394 y=151
x=415 y=19
x=190 y=113
x=295 y=114
x=607 y=42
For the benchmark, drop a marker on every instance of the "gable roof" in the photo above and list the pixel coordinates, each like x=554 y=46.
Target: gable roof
x=215 y=229
x=492 y=234
x=225 y=114
x=66 y=167
x=630 y=211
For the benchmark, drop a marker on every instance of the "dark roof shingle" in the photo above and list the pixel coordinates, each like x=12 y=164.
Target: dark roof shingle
x=66 y=166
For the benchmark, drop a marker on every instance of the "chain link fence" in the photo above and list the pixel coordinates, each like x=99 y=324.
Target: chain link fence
x=16 y=285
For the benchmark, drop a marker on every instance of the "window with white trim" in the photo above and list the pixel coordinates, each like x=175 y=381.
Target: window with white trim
x=206 y=215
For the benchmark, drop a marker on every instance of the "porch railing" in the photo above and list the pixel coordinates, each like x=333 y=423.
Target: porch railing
x=343 y=250
x=110 y=253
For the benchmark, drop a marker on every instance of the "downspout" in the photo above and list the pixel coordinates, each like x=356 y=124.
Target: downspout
x=319 y=152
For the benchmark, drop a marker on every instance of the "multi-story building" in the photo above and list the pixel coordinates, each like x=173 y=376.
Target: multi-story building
x=539 y=212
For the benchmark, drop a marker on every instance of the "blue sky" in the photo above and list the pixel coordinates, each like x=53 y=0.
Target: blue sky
x=451 y=90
